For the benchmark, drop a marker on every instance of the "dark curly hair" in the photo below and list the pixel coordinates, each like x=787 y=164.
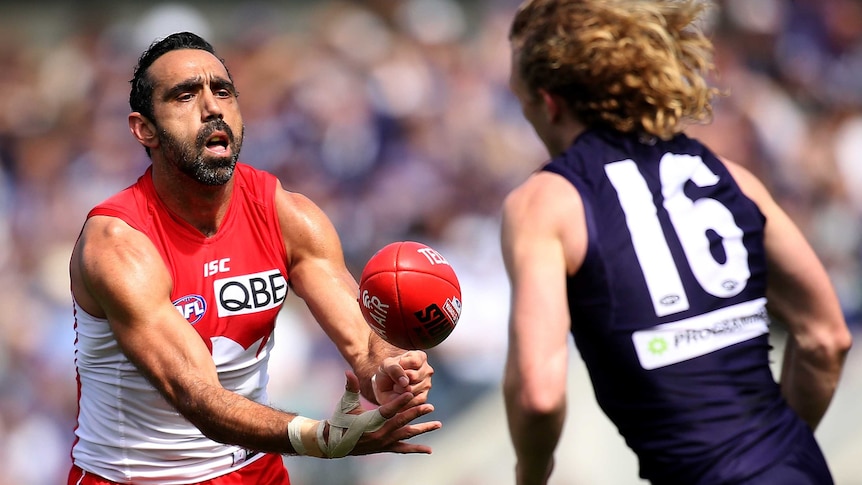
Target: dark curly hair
x=141 y=95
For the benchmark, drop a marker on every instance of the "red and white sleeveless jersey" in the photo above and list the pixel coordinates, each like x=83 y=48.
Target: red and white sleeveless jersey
x=229 y=287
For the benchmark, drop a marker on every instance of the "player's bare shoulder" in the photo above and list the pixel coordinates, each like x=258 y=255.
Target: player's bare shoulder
x=542 y=194
x=298 y=214
x=306 y=229
x=750 y=185
x=547 y=206
x=109 y=255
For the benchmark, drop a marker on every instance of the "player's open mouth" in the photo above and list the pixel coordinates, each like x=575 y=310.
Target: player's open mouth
x=217 y=143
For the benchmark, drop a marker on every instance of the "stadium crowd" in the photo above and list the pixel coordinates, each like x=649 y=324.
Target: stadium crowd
x=396 y=118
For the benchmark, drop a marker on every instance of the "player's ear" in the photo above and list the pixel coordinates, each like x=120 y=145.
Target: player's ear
x=554 y=105
x=143 y=130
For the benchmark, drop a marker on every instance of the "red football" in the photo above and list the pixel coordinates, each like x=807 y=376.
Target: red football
x=410 y=295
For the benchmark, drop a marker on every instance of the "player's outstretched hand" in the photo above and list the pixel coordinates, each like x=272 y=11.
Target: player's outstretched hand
x=408 y=372
x=399 y=412
x=353 y=430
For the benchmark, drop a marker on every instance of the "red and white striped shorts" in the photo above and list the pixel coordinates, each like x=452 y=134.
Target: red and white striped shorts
x=268 y=470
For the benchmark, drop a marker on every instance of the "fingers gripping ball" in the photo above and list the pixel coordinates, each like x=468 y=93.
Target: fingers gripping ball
x=410 y=295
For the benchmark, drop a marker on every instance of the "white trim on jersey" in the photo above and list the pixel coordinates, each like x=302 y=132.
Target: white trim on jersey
x=127 y=431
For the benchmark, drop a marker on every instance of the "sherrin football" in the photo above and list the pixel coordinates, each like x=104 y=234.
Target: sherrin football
x=410 y=295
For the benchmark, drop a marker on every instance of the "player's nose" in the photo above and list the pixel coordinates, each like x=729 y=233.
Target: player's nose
x=210 y=108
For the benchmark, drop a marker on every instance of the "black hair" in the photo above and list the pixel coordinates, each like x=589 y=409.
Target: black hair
x=141 y=95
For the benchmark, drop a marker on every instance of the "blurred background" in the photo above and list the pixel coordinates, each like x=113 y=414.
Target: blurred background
x=395 y=116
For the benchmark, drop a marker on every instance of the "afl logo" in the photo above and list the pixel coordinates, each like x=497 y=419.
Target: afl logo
x=191 y=307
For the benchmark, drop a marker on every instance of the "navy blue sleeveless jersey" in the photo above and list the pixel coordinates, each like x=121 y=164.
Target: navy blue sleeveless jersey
x=668 y=309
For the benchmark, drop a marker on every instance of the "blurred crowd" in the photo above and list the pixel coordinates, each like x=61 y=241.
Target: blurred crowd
x=395 y=116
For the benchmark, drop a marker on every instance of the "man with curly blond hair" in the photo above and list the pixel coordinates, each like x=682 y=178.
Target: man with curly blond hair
x=665 y=262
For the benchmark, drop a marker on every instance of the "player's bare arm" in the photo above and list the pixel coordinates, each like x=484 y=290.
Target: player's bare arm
x=801 y=296
x=118 y=274
x=319 y=276
x=538 y=251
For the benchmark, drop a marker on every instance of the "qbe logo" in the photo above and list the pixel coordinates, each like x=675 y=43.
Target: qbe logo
x=250 y=293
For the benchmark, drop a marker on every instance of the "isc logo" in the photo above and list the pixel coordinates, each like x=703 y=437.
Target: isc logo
x=216 y=266
x=250 y=293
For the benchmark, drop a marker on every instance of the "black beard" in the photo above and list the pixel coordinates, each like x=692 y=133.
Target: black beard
x=191 y=157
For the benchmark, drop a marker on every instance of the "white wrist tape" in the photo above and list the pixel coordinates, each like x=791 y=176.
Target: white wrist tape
x=344 y=429
x=294 y=432
x=299 y=426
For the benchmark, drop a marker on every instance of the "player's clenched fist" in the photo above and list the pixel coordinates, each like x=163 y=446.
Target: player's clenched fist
x=409 y=372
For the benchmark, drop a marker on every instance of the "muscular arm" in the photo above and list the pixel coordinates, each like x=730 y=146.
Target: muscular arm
x=542 y=241
x=800 y=295
x=319 y=276
x=117 y=273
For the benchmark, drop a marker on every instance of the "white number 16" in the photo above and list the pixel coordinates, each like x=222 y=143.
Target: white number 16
x=691 y=220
